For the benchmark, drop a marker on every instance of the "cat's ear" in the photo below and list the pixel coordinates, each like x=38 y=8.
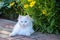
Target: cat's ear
x=27 y=16
x=19 y=17
x=30 y=18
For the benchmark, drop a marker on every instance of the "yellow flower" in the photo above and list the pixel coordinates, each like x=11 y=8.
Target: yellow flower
x=44 y=12
x=11 y=4
x=26 y=5
x=32 y=3
x=30 y=0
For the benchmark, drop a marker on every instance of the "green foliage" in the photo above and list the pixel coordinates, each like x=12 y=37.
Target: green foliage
x=44 y=12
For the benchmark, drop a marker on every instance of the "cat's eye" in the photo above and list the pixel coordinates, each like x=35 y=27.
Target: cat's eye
x=25 y=21
x=21 y=21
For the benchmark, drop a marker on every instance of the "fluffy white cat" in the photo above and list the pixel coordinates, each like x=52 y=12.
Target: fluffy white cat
x=24 y=26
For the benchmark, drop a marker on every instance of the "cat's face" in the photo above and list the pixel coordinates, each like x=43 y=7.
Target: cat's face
x=24 y=20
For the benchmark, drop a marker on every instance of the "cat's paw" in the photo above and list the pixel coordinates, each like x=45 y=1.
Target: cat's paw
x=28 y=34
x=11 y=34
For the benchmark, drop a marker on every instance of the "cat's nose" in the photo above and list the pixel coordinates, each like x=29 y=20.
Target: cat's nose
x=23 y=24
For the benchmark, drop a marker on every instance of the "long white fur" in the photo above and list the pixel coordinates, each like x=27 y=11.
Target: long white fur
x=19 y=30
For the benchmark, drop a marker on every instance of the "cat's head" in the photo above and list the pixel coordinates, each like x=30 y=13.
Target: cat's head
x=24 y=20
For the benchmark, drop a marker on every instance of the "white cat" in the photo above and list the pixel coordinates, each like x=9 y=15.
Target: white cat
x=24 y=26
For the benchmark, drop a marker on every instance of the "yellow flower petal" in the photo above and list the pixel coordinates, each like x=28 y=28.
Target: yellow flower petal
x=30 y=0
x=44 y=12
x=12 y=3
x=32 y=3
x=25 y=5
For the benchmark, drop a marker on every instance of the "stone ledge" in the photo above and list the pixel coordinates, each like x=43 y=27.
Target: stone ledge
x=7 y=25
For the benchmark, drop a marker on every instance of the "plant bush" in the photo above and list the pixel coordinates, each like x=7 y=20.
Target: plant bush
x=44 y=12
